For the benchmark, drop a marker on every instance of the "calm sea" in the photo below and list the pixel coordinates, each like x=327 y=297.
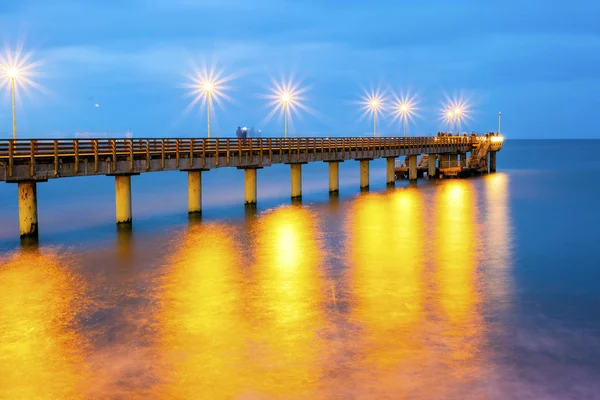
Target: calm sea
x=487 y=288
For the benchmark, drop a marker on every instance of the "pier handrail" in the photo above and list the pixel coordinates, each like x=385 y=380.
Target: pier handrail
x=41 y=148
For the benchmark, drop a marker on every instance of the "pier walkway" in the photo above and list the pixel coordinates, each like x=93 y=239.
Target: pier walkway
x=30 y=161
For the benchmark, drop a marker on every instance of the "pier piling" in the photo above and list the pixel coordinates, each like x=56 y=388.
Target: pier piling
x=431 y=167
x=334 y=177
x=250 y=186
x=28 y=215
x=194 y=192
x=123 y=198
x=364 y=174
x=296 y=178
x=412 y=168
x=389 y=170
x=492 y=161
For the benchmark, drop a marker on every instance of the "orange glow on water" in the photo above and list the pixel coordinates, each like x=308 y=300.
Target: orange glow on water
x=458 y=291
x=498 y=245
x=289 y=300
x=41 y=354
x=386 y=252
x=202 y=332
x=455 y=249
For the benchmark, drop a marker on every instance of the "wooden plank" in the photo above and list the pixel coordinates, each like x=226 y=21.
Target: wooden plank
x=11 y=150
x=227 y=161
x=162 y=153
x=55 y=158
x=32 y=145
x=147 y=155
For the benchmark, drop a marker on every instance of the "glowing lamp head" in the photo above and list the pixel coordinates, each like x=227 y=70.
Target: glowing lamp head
x=12 y=73
x=457 y=111
x=208 y=86
x=374 y=103
x=404 y=108
x=286 y=98
x=449 y=114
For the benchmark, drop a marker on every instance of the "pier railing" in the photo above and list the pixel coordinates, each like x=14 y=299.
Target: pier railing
x=54 y=151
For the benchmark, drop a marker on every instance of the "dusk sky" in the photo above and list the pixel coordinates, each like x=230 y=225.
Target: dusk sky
x=536 y=61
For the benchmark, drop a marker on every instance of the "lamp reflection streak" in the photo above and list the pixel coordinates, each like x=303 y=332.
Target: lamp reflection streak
x=498 y=240
x=290 y=300
x=387 y=258
x=41 y=355
x=458 y=292
x=200 y=319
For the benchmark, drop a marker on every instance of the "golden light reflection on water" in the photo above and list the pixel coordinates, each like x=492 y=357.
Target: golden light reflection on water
x=201 y=340
x=41 y=355
x=243 y=319
x=386 y=253
x=458 y=287
x=289 y=303
x=455 y=245
x=498 y=244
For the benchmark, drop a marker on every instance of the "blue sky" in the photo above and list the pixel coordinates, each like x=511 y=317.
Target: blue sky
x=536 y=61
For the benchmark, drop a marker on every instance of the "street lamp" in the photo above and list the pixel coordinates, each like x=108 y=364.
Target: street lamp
x=286 y=98
x=457 y=116
x=208 y=85
x=454 y=112
x=372 y=103
x=449 y=117
x=405 y=110
x=499 y=115
x=208 y=88
x=405 y=107
x=13 y=74
x=374 y=106
x=17 y=69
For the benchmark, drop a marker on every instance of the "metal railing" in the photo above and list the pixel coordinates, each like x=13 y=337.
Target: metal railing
x=32 y=151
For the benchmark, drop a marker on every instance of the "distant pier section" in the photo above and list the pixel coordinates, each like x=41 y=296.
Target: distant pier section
x=28 y=162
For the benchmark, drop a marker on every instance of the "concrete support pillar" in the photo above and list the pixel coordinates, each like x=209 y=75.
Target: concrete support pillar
x=412 y=168
x=463 y=159
x=453 y=160
x=194 y=192
x=390 y=173
x=364 y=174
x=296 y=177
x=492 y=163
x=123 y=198
x=431 y=167
x=334 y=177
x=28 y=216
x=250 y=186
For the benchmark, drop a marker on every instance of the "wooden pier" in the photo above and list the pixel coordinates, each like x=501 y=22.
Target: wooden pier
x=482 y=159
x=30 y=161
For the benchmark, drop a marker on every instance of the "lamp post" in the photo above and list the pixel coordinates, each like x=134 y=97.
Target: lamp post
x=457 y=117
x=404 y=111
x=286 y=98
x=450 y=116
x=499 y=115
x=208 y=87
x=374 y=106
x=372 y=103
x=13 y=73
